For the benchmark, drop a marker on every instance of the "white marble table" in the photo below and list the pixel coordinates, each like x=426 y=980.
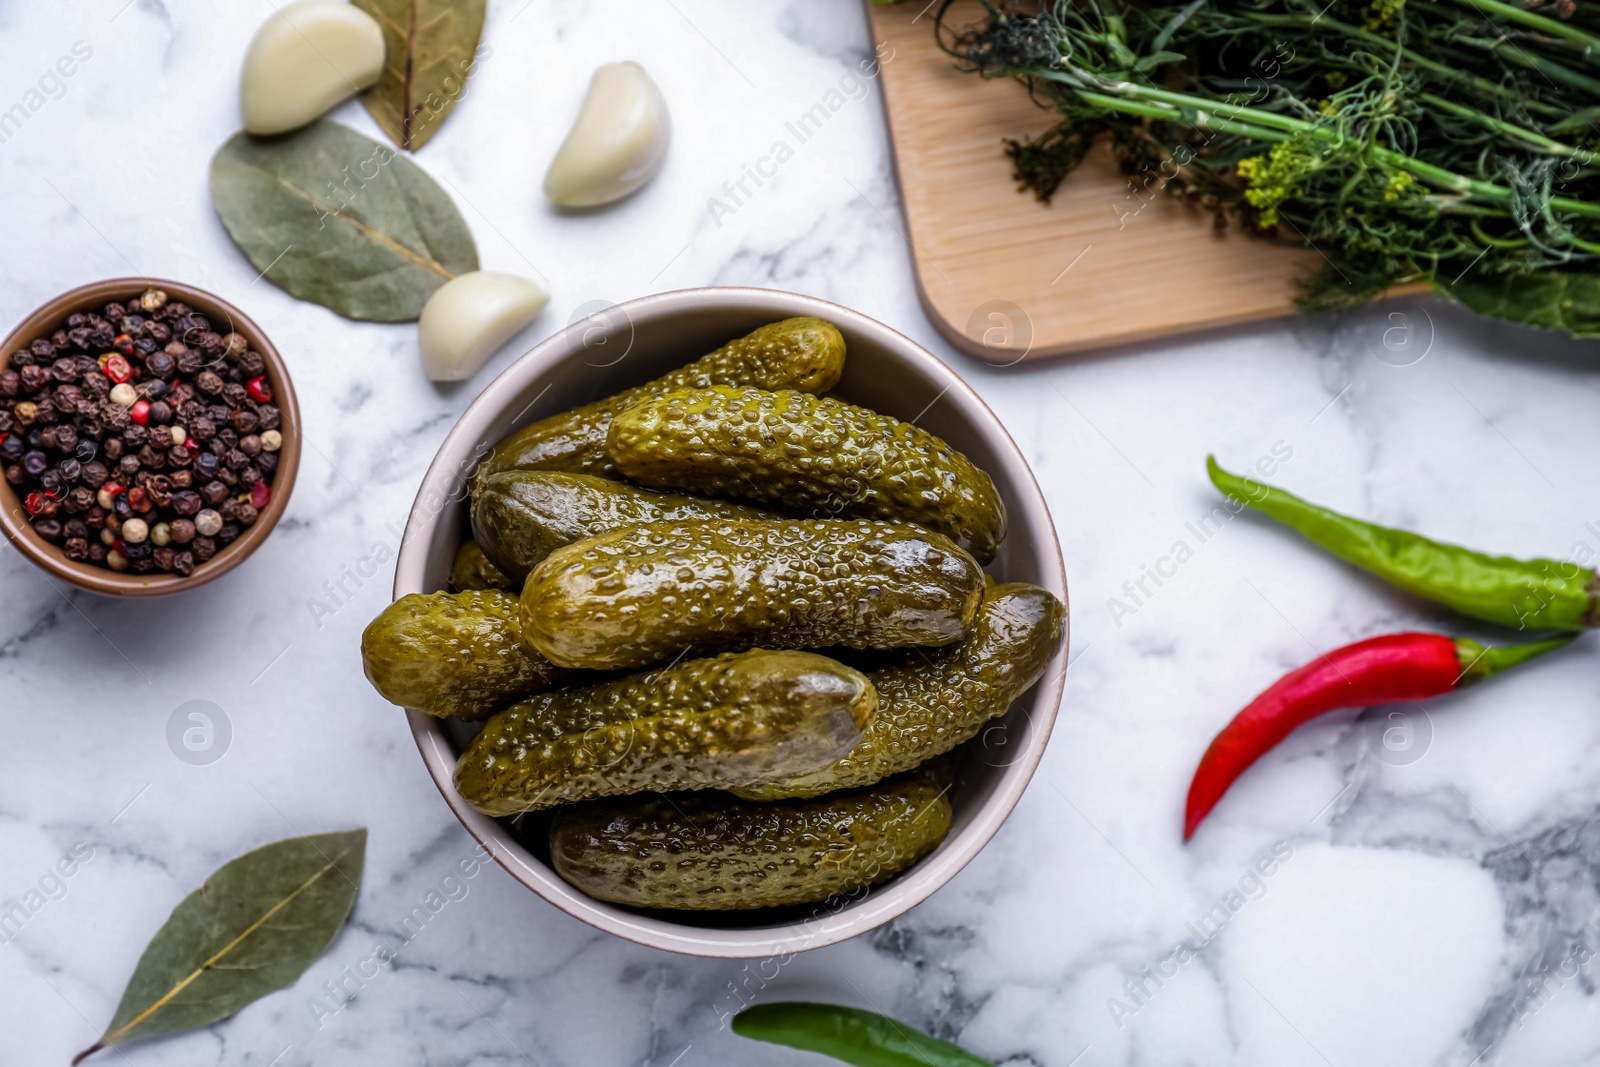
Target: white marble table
x=1420 y=894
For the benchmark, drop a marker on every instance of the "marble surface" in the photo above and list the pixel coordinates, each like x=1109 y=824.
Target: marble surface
x=1430 y=902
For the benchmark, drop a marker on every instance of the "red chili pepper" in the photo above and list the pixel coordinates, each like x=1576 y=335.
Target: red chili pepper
x=35 y=502
x=260 y=494
x=259 y=389
x=1379 y=670
x=140 y=412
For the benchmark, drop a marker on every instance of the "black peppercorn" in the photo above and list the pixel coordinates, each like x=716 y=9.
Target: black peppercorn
x=75 y=528
x=64 y=369
x=76 y=549
x=42 y=349
x=153 y=457
x=209 y=383
x=181 y=479
x=159 y=332
x=70 y=470
x=10 y=382
x=16 y=475
x=229 y=531
x=97 y=552
x=154 y=389
x=190 y=362
x=76 y=319
x=247 y=513
x=268 y=462
x=113 y=449
x=204 y=548
x=181 y=531
x=245 y=421
x=101 y=338
x=179 y=456
x=128 y=466
x=95 y=518
x=160 y=365
x=33 y=378
x=51 y=483
x=164 y=557
x=50 y=529
x=11 y=448
x=183 y=564
x=213 y=493
x=80 y=500
x=114 y=311
x=135 y=435
x=206 y=465
x=233 y=395
x=66 y=437
x=186 y=502
x=141 y=550
x=235 y=460
x=160 y=413
x=252 y=365
x=35 y=463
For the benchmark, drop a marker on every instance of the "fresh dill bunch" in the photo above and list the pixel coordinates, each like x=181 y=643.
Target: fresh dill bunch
x=1451 y=141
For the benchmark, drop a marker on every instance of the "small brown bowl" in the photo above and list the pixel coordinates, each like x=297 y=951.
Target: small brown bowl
x=14 y=518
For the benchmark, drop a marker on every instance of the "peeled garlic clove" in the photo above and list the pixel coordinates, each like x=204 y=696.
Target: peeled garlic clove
x=616 y=145
x=469 y=317
x=303 y=60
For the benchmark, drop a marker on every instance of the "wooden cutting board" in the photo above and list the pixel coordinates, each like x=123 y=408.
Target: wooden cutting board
x=1005 y=277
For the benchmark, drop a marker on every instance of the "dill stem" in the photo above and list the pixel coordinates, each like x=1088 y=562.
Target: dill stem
x=1552 y=27
x=1443 y=70
x=1537 y=140
x=1230 y=118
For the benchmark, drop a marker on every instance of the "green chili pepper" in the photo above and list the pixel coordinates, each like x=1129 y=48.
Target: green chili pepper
x=851 y=1035
x=1537 y=594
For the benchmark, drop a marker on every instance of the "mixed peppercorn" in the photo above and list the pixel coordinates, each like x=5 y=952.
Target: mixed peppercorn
x=138 y=437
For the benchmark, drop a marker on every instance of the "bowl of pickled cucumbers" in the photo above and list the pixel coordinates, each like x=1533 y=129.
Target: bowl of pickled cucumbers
x=730 y=621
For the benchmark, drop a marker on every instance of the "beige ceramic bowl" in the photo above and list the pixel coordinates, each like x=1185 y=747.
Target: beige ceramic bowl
x=632 y=343
x=224 y=317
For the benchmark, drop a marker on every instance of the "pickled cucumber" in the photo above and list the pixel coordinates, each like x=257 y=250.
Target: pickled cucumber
x=472 y=570
x=455 y=655
x=810 y=456
x=520 y=517
x=712 y=852
x=644 y=594
x=734 y=719
x=933 y=700
x=802 y=353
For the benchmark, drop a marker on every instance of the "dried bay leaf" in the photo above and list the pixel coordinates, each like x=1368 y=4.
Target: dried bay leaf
x=430 y=46
x=340 y=220
x=255 y=926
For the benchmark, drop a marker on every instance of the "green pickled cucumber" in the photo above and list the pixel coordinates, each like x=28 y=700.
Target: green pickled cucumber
x=810 y=456
x=734 y=719
x=713 y=852
x=473 y=570
x=455 y=655
x=933 y=700
x=802 y=353
x=520 y=517
x=645 y=594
